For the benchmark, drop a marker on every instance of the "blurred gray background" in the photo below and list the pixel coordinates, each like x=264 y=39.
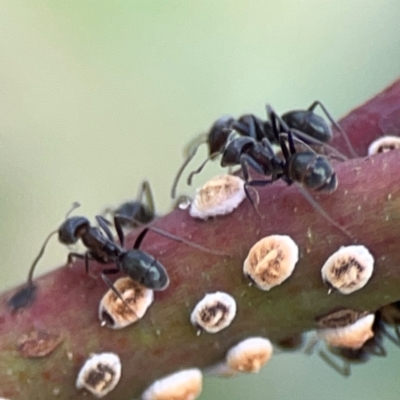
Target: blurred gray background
x=98 y=95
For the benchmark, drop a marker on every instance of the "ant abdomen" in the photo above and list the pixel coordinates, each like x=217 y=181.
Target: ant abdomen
x=145 y=269
x=72 y=229
x=310 y=123
x=313 y=171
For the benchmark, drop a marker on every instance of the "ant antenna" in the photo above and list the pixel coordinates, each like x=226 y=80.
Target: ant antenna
x=74 y=206
x=38 y=257
x=26 y=294
x=191 y=150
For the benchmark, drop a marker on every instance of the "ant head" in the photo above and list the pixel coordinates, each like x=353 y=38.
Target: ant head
x=145 y=269
x=314 y=171
x=310 y=123
x=72 y=229
x=219 y=133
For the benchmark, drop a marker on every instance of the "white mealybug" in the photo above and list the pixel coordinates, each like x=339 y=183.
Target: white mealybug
x=271 y=261
x=100 y=374
x=117 y=314
x=182 y=385
x=214 y=312
x=348 y=269
x=249 y=355
x=384 y=144
x=218 y=196
x=352 y=336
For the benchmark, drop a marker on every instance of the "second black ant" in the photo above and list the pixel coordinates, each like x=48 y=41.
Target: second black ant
x=305 y=125
x=135 y=213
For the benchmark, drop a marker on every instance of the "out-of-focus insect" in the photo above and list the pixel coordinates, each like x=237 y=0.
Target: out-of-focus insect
x=135 y=213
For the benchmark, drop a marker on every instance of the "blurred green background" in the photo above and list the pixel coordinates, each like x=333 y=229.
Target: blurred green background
x=98 y=95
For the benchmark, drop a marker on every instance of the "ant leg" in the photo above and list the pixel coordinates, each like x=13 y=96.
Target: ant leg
x=285 y=150
x=277 y=123
x=335 y=124
x=378 y=349
x=178 y=239
x=246 y=162
x=103 y=223
x=72 y=255
x=393 y=339
x=118 y=228
x=315 y=204
x=191 y=151
x=342 y=370
x=307 y=138
x=146 y=192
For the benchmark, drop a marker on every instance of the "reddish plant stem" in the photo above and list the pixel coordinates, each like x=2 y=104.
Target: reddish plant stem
x=367 y=203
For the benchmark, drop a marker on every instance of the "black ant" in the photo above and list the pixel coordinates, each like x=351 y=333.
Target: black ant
x=101 y=247
x=305 y=125
x=372 y=347
x=309 y=169
x=135 y=213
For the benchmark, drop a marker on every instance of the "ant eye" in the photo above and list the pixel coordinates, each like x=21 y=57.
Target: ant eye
x=218 y=196
x=348 y=269
x=214 y=312
x=249 y=355
x=384 y=144
x=183 y=385
x=271 y=261
x=352 y=336
x=100 y=374
x=116 y=313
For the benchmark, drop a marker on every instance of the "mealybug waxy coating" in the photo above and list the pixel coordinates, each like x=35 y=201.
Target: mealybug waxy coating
x=182 y=385
x=348 y=269
x=100 y=374
x=271 y=261
x=214 y=312
x=250 y=355
x=218 y=196
x=384 y=144
x=115 y=313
